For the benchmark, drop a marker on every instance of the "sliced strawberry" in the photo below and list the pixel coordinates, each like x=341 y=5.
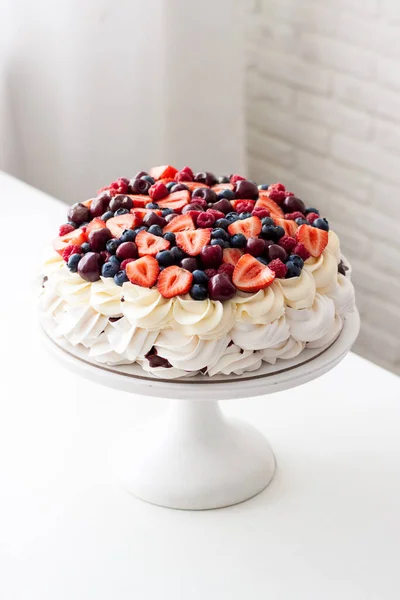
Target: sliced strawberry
x=142 y=212
x=193 y=185
x=180 y=223
x=117 y=225
x=175 y=201
x=192 y=242
x=97 y=223
x=148 y=243
x=265 y=202
x=220 y=187
x=315 y=240
x=143 y=271
x=75 y=238
x=88 y=203
x=163 y=172
x=231 y=255
x=174 y=281
x=290 y=227
x=139 y=200
x=250 y=227
x=250 y=275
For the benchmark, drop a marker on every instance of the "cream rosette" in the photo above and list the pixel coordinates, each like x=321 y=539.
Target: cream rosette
x=286 y=350
x=105 y=297
x=52 y=262
x=189 y=353
x=129 y=341
x=313 y=323
x=80 y=324
x=208 y=319
x=333 y=246
x=330 y=336
x=251 y=336
x=299 y=292
x=324 y=270
x=343 y=295
x=102 y=352
x=72 y=288
x=262 y=307
x=51 y=302
x=235 y=360
x=165 y=372
x=145 y=307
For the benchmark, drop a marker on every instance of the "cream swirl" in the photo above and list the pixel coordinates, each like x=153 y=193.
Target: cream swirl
x=209 y=319
x=129 y=341
x=330 y=335
x=102 y=352
x=262 y=307
x=286 y=350
x=299 y=292
x=105 y=297
x=343 y=295
x=72 y=288
x=80 y=324
x=237 y=361
x=313 y=323
x=256 y=337
x=165 y=372
x=52 y=262
x=50 y=301
x=324 y=270
x=333 y=246
x=189 y=353
x=145 y=307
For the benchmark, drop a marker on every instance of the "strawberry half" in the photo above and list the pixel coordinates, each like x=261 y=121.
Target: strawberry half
x=290 y=227
x=142 y=212
x=193 y=185
x=192 y=242
x=139 y=200
x=117 y=225
x=231 y=256
x=180 y=223
x=175 y=201
x=149 y=244
x=174 y=281
x=75 y=238
x=97 y=223
x=220 y=187
x=250 y=275
x=315 y=240
x=143 y=271
x=163 y=172
x=265 y=202
x=250 y=227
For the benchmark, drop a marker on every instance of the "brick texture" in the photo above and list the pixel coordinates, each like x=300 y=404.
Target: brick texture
x=323 y=116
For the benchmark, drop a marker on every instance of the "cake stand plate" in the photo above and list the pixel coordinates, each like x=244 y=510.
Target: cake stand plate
x=194 y=457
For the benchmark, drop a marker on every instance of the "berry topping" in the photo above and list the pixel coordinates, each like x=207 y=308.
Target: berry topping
x=289 y=227
x=174 y=281
x=185 y=174
x=223 y=206
x=205 y=219
x=143 y=272
x=287 y=243
x=275 y=211
x=73 y=261
x=140 y=186
x=294 y=215
x=109 y=269
x=293 y=204
x=311 y=217
x=200 y=277
x=250 y=275
x=205 y=194
x=180 y=223
x=192 y=242
x=311 y=209
x=261 y=213
x=321 y=224
x=125 y=262
x=120 y=186
x=98 y=238
x=158 y=191
x=120 y=278
x=221 y=288
x=235 y=178
x=126 y=250
x=246 y=189
x=64 y=229
x=164 y=172
x=175 y=201
x=217 y=214
x=226 y=269
x=210 y=272
x=117 y=225
x=277 y=196
x=250 y=227
x=149 y=244
x=275 y=251
x=206 y=177
x=301 y=251
x=151 y=218
x=278 y=267
x=211 y=256
x=315 y=240
x=244 y=206
x=70 y=250
x=79 y=213
x=293 y=270
x=89 y=266
x=231 y=256
x=190 y=263
x=255 y=246
x=199 y=292
x=121 y=201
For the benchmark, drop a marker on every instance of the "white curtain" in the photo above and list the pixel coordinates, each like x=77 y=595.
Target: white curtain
x=94 y=89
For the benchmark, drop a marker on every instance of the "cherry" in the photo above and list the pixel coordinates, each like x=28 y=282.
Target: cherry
x=98 y=238
x=220 y=287
x=100 y=205
x=293 y=204
x=211 y=256
x=139 y=186
x=89 y=266
x=121 y=201
x=151 y=218
x=246 y=189
x=205 y=177
x=126 y=250
x=223 y=205
x=255 y=246
x=206 y=194
x=274 y=251
x=190 y=264
x=79 y=213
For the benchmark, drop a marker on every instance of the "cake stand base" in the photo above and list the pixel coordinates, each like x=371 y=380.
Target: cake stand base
x=194 y=458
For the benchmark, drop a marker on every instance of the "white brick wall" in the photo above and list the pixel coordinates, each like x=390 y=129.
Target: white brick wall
x=323 y=116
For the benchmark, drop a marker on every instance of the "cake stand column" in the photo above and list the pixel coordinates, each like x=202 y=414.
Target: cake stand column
x=194 y=457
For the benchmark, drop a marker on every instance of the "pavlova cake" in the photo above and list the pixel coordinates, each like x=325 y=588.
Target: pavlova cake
x=188 y=273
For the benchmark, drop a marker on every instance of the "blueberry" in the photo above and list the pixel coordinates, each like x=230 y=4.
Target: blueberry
x=85 y=247
x=238 y=240
x=268 y=232
x=151 y=205
x=228 y=194
x=170 y=185
x=149 y=179
x=223 y=223
x=74 y=225
x=178 y=254
x=310 y=209
x=232 y=217
x=279 y=232
x=293 y=270
x=223 y=179
x=121 y=211
x=219 y=242
x=136 y=231
x=267 y=221
x=200 y=277
x=120 y=278
x=165 y=258
x=109 y=269
x=262 y=260
x=263 y=186
x=128 y=235
x=244 y=215
x=73 y=262
x=170 y=237
x=297 y=260
x=107 y=215
x=155 y=230
x=219 y=234
x=198 y=292
x=112 y=245
x=166 y=211
x=321 y=224
x=301 y=221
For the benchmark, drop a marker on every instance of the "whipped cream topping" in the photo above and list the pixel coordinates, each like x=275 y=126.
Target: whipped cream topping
x=105 y=297
x=101 y=351
x=52 y=262
x=330 y=336
x=262 y=307
x=129 y=341
x=324 y=270
x=235 y=361
x=343 y=295
x=286 y=350
x=72 y=288
x=165 y=372
x=333 y=246
x=299 y=292
x=190 y=353
x=313 y=323
x=80 y=324
x=145 y=307
x=256 y=337
x=209 y=319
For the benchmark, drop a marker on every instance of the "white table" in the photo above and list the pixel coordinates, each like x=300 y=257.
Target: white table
x=328 y=527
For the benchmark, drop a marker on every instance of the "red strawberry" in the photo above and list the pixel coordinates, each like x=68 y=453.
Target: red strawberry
x=301 y=251
x=72 y=249
x=235 y=178
x=175 y=201
x=97 y=223
x=261 y=213
x=243 y=205
x=75 y=237
x=193 y=185
x=217 y=214
x=226 y=269
x=139 y=200
x=315 y=240
x=140 y=213
x=250 y=275
x=231 y=256
x=278 y=267
x=64 y=229
x=148 y=243
x=192 y=242
x=174 y=281
x=311 y=217
x=287 y=243
x=117 y=225
x=143 y=271
x=166 y=171
x=250 y=227
x=290 y=227
x=158 y=191
x=180 y=223
x=274 y=209
x=220 y=187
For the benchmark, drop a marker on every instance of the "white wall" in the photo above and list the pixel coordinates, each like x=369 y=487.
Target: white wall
x=323 y=116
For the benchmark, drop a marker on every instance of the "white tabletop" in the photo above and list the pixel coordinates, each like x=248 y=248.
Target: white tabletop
x=327 y=528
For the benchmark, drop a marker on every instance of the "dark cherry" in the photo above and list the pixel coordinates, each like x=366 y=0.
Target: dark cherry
x=178 y=187
x=100 y=205
x=223 y=179
x=126 y=250
x=121 y=201
x=151 y=218
x=206 y=194
x=99 y=238
x=246 y=189
x=89 y=266
x=293 y=204
x=139 y=175
x=223 y=205
x=255 y=246
x=211 y=256
x=275 y=251
x=205 y=177
x=190 y=264
x=139 y=186
x=192 y=206
x=79 y=213
x=220 y=287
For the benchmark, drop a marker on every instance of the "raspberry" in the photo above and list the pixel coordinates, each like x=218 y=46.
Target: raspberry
x=289 y=194
x=200 y=201
x=216 y=213
x=205 y=219
x=277 y=196
x=120 y=186
x=194 y=214
x=211 y=272
x=235 y=178
x=226 y=269
x=294 y=215
x=287 y=243
x=244 y=206
x=311 y=217
x=277 y=186
x=185 y=174
x=64 y=229
x=278 y=267
x=71 y=249
x=261 y=213
x=301 y=251
x=125 y=262
x=158 y=190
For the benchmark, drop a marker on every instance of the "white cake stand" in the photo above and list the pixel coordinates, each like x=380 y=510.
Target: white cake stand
x=194 y=457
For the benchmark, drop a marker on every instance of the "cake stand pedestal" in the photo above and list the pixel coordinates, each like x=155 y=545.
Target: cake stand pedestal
x=194 y=457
